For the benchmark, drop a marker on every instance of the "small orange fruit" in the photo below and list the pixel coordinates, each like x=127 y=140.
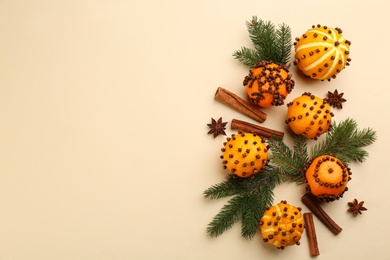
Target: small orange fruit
x=282 y=225
x=244 y=154
x=322 y=52
x=309 y=116
x=327 y=178
x=268 y=84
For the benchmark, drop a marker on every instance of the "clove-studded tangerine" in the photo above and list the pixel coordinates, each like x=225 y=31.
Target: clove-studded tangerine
x=322 y=52
x=244 y=154
x=309 y=115
x=282 y=225
x=268 y=84
x=327 y=178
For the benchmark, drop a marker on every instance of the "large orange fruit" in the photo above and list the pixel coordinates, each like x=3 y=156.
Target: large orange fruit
x=244 y=154
x=268 y=84
x=322 y=52
x=327 y=178
x=282 y=225
x=309 y=115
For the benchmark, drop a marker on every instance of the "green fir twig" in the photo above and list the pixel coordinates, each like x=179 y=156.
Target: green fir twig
x=270 y=43
x=251 y=196
x=346 y=142
x=289 y=163
x=283 y=43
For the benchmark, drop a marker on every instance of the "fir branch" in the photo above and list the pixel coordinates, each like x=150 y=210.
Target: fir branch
x=289 y=164
x=255 y=207
x=258 y=201
x=247 y=56
x=227 y=216
x=283 y=43
x=230 y=187
x=301 y=155
x=270 y=44
x=251 y=197
x=262 y=35
x=346 y=142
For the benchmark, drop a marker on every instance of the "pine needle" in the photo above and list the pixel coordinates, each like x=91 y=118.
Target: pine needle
x=228 y=215
x=346 y=142
x=289 y=163
x=232 y=186
x=247 y=56
x=255 y=207
x=270 y=43
x=251 y=197
x=283 y=44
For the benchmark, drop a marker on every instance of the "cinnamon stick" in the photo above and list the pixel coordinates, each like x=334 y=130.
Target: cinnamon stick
x=252 y=128
x=311 y=234
x=239 y=104
x=317 y=210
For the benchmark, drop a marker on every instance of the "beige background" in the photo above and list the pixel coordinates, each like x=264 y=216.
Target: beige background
x=103 y=112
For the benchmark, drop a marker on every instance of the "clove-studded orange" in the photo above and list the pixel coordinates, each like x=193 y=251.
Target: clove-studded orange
x=282 y=225
x=309 y=115
x=268 y=84
x=322 y=52
x=244 y=154
x=327 y=178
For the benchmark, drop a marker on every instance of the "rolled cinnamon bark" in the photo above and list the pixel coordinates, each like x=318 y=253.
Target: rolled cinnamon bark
x=317 y=210
x=252 y=128
x=311 y=234
x=239 y=104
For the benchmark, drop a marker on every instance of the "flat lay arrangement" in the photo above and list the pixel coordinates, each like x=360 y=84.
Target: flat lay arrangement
x=256 y=161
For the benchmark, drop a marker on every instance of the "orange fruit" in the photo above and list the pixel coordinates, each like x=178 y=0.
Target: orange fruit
x=268 y=84
x=282 y=225
x=309 y=116
x=327 y=178
x=244 y=154
x=322 y=52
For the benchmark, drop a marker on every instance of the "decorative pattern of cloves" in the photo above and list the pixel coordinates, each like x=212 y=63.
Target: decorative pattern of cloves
x=327 y=178
x=322 y=52
x=268 y=84
x=309 y=115
x=282 y=225
x=244 y=154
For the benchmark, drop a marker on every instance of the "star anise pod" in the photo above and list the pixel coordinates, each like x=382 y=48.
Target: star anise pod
x=217 y=127
x=356 y=207
x=335 y=99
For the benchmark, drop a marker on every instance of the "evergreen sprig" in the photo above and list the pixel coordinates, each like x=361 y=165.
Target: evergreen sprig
x=270 y=43
x=251 y=196
x=289 y=163
x=346 y=142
